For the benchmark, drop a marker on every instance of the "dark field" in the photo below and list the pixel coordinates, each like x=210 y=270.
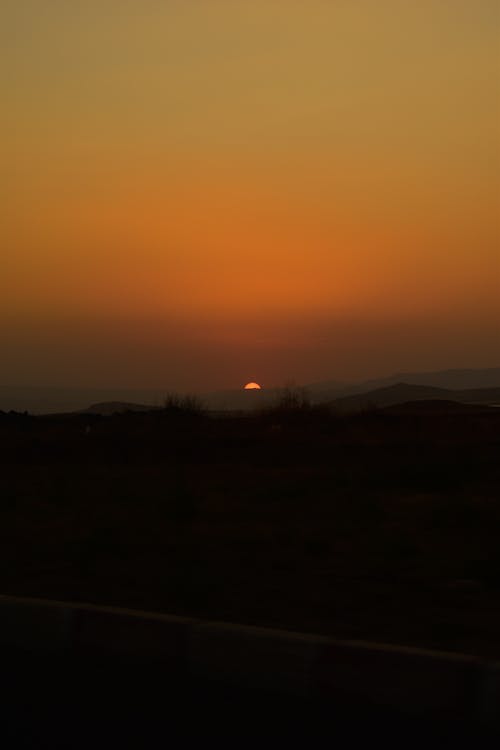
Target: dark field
x=383 y=525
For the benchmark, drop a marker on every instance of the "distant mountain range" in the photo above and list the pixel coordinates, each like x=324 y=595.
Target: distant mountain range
x=107 y=408
x=45 y=400
x=464 y=386
x=448 y=379
x=401 y=393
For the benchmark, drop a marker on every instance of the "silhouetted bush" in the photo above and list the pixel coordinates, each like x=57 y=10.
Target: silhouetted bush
x=290 y=400
x=294 y=398
x=294 y=407
x=187 y=405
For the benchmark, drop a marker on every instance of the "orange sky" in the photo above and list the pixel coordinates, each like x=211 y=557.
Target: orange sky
x=197 y=193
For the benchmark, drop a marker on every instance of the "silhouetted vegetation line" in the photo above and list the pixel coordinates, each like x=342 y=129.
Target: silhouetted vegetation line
x=187 y=405
x=294 y=405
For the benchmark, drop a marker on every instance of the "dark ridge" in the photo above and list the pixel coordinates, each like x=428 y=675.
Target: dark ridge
x=399 y=393
x=108 y=408
x=437 y=406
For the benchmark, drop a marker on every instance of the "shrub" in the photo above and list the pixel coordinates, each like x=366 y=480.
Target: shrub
x=188 y=405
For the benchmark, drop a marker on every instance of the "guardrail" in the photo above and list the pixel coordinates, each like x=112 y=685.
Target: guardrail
x=432 y=683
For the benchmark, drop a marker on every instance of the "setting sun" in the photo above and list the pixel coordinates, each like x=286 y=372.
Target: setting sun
x=349 y=149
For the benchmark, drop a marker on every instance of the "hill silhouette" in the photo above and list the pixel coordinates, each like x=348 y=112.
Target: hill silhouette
x=50 y=400
x=435 y=407
x=108 y=408
x=242 y=402
x=456 y=379
x=400 y=393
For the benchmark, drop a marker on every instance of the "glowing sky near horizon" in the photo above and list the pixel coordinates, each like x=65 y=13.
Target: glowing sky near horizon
x=195 y=193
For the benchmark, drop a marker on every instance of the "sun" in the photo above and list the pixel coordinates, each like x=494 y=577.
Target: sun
x=252 y=387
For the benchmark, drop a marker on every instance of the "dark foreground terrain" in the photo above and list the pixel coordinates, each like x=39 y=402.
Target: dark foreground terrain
x=382 y=525
x=101 y=703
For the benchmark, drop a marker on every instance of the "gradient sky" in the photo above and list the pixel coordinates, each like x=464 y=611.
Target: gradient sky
x=198 y=193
